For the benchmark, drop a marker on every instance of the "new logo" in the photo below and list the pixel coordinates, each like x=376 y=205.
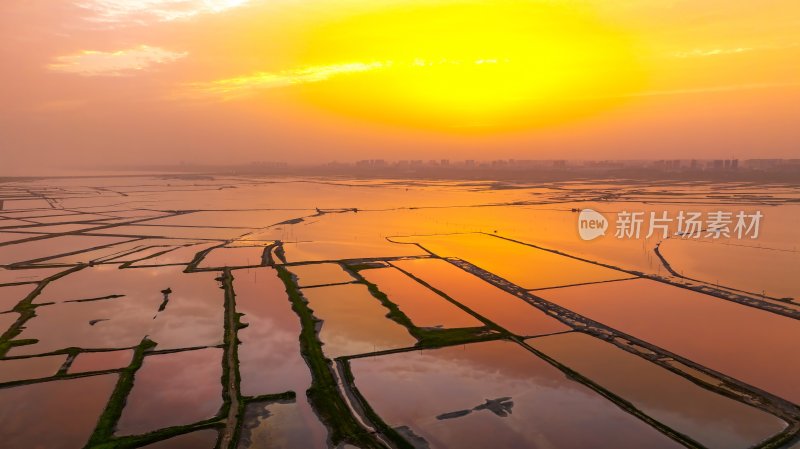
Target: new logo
x=591 y=224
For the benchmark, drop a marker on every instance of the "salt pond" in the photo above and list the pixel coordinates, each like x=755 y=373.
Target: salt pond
x=173 y=389
x=320 y=274
x=743 y=342
x=714 y=420
x=424 y=389
x=423 y=307
x=497 y=305
x=353 y=321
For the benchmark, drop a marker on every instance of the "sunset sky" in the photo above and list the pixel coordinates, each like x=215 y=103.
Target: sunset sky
x=231 y=81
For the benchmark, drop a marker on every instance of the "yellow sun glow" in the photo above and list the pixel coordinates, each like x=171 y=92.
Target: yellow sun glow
x=471 y=66
x=463 y=67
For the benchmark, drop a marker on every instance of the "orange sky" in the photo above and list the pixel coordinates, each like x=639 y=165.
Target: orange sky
x=229 y=81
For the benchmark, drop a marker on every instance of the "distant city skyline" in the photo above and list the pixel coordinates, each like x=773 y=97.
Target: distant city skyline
x=748 y=170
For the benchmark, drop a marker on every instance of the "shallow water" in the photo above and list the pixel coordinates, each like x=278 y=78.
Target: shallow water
x=55 y=415
x=11 y=295
x=15 y=236
x=105 y=324
x=320 y=274
x=6 y=320
x=354 y=321
x=173 y=389
x=496 y=305
x=139 y=254
x=331 y=220
x=200 y=439
x=528 y=267
x=192 y=315
x=269 y=353
x=193 y=233
x=101 y=361
x=248 y=218
x=184 y=256
x=37 y=249
x=26 y=204
x=709 y=418
x=233 y=257
x=423 y=307
x=748 y=344
x=756 y=270
x=38 y=215
x=27 y=275
x=95 y=255
x=280 y=425
x=30 y=368
x=60 y=228
x=101 y=281
x=122 y=252
x=547 y=406
x=340 y=250
x=59 y=217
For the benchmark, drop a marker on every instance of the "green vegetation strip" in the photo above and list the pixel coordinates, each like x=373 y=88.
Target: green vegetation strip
x=324 y=392
x=370 y=414
x=131 y=442
x=290 y=396
x=108 y=420
x=103 y=436
x=231 y=394
x=27 y=310
x=428 y=337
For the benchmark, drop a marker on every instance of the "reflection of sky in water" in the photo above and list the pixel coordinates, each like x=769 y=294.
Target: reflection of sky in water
x=30 y=368
x=58 y=414
x=499 y=306
x=748 y=344
x=281 y=425
x=755 y=270
x=710 y=418
x=423 y=307
x=38 y=249
x=200 y=439
x=13 y=276
x=527 y=267
x=270 y=362
x=269 y=353
x=547 y=405
x=320 y=274
x=193 y=315
x=177 y=256
x=173 y=389
x=12 y=294
x=232 y=257
x=353 y=321
x=7 y=319
x=101 y=361
x=328 y=250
